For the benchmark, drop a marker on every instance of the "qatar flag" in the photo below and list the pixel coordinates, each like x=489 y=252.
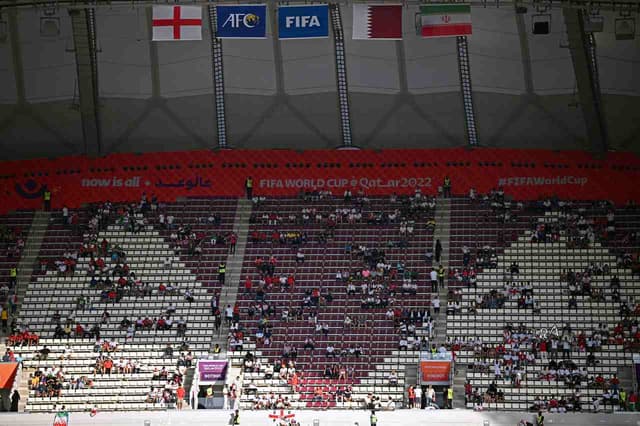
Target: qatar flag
x=377 y=21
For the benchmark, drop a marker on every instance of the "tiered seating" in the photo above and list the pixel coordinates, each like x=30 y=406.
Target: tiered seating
x=15 y=226
x=146 y=255
x=375 y=334
x=541 y=265
x=194 y=212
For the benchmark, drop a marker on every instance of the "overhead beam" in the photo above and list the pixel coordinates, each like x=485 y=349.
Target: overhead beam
x=402 y=68
x=586 y=79
x=525 y=53
x=84 y=40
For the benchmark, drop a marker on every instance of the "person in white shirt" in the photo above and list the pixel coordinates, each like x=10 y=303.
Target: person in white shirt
x=418 y=392
x=330 y=351
x=436 y=304
x=433 y=275
x=431 y=395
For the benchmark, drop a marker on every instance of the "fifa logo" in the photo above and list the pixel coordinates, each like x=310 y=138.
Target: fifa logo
x=238 y=20
x=302 y=21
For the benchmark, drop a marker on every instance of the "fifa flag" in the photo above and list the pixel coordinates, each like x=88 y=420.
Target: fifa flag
x=304 y=21
x=242 y=21
x=377 y=21
x=177 y=23
x=444 y=20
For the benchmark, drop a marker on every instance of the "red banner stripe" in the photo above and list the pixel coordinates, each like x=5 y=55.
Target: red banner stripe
x=446 y=30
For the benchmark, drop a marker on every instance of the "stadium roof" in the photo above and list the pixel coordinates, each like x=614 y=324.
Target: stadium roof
x=282 y=94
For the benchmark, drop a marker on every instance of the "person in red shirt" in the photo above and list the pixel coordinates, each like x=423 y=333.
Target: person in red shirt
x=543 y=349
x=468 y=392
x=179 y=397
x=290 y=282
x=633 y=401
x=614 y=382
x=247 y=285
x=233 y=240
x=108 y=365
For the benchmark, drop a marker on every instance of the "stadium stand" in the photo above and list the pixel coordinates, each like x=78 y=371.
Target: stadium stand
x=107 y=342
x=546 y=341
x=349 y=273
x=345 y=242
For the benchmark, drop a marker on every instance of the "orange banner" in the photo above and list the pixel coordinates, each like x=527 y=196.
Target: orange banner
x=7 y=374
x=435 y=372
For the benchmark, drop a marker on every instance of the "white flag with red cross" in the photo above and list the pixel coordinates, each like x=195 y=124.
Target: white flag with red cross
x=177 y=23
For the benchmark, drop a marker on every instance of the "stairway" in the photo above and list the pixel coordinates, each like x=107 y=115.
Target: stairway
x=21 y=382
x=442 y=232
x=229 y=292
x=443 y=227
x=23 y=389
x=188 y=382
x=28 y=261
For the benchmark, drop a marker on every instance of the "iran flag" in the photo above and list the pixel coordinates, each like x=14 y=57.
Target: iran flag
x=445 y=20
x=177 y=23
x=377 y=21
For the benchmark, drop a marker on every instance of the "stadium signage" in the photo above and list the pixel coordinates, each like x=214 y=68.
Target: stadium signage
x=74 y=181
x=212 y=370
x=303 y=21
x=242 y=21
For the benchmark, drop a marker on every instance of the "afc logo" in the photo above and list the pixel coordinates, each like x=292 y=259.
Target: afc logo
x=302 y=21
x=238 y=20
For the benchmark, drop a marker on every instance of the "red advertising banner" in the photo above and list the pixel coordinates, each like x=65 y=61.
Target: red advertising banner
x=7 y=374
x=524 y=174
x=434 y=372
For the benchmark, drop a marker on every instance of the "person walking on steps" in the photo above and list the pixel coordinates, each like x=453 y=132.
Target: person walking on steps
x=46 y=196
x=438 y=250
x=446 y=187
x=373 y=419
x=248 y=186
x=441 y=274
x=222 y=270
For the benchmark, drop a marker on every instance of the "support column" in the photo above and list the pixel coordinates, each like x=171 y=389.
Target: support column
x=218 y=79
x=83 y=24
x=16 y=53
x=341 y=74
x=464 y=71
x=582 y=48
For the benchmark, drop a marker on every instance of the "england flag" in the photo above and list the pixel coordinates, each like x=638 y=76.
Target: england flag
x=177 y=23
